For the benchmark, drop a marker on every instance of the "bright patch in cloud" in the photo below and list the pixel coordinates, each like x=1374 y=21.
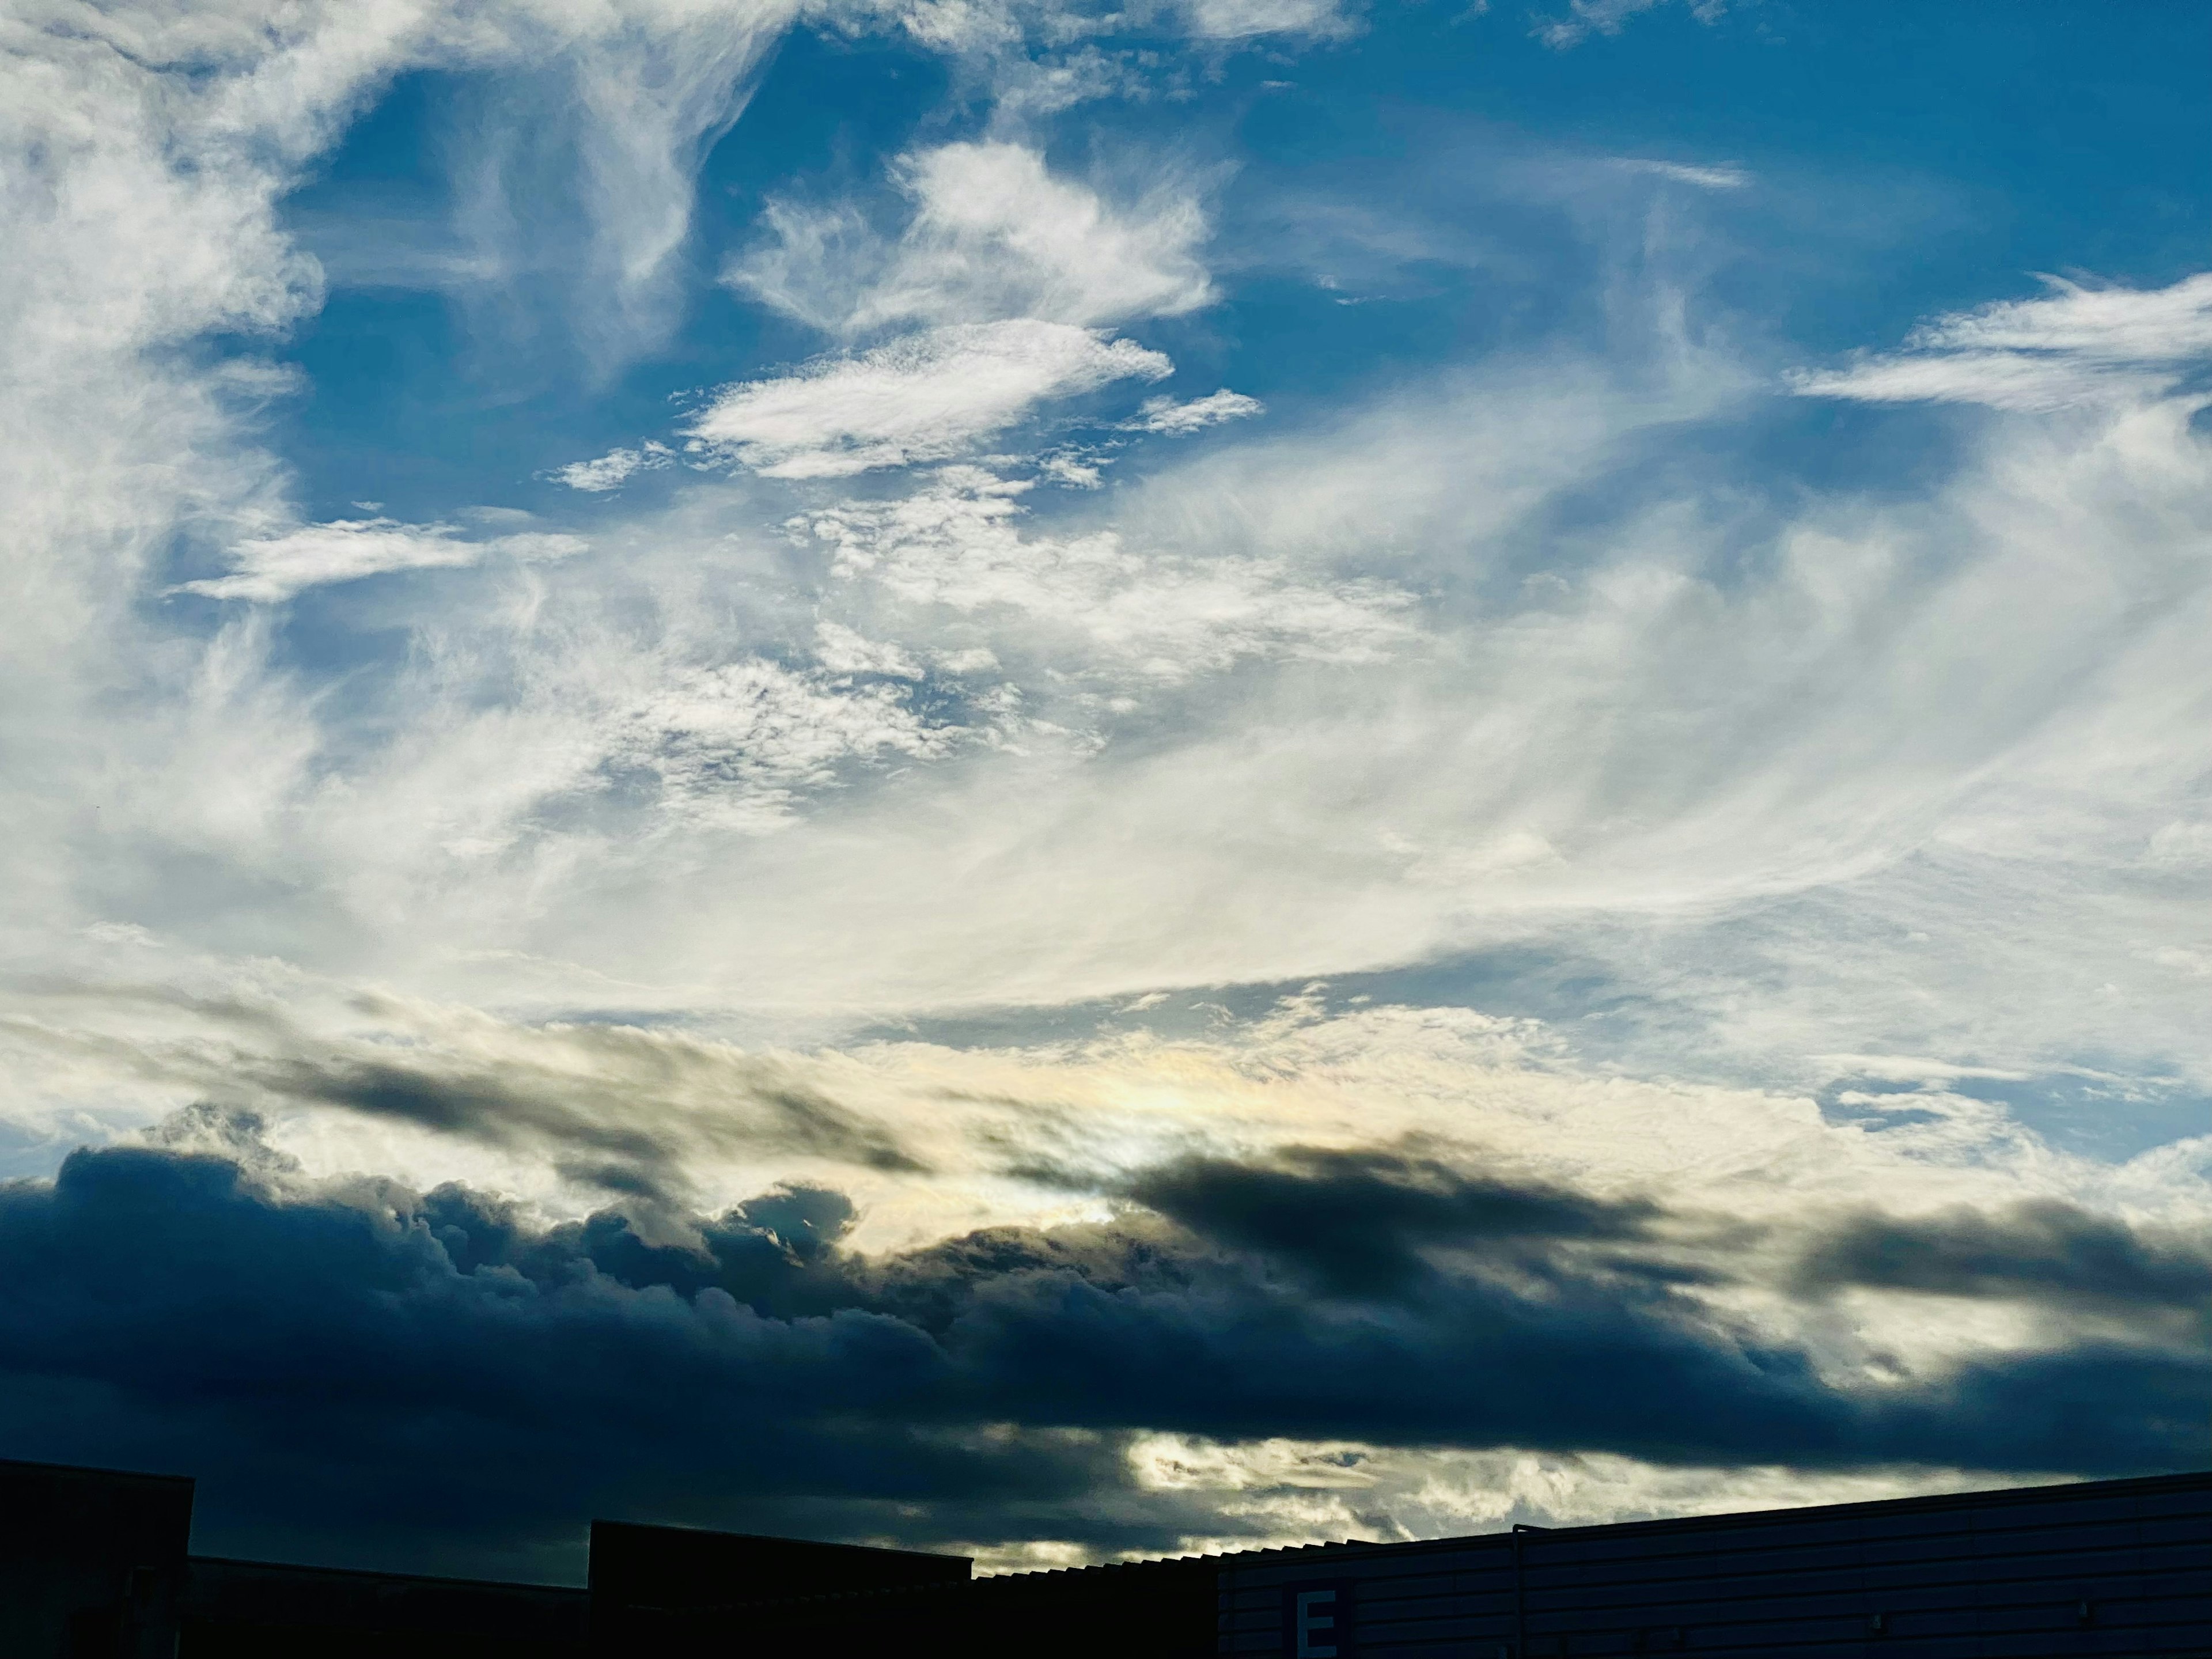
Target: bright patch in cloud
x=2076 y=345
x=993 y=236
x=1165 y=415
x=926 y=398
x=735 y=745
x=1586 y=18
x=270 y=569
x=958 y=544
x=1704 y=178
x=614 y=469
x=1232 y=20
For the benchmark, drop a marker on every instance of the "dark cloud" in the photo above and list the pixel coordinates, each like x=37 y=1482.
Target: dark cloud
x=376 y=1373
x=2043 y=1250
x=626 y=1109
x=594 y=1125
x=1360 y=1222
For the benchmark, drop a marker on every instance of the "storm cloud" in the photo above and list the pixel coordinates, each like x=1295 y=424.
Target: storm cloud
x=354 y=1363
x=2041 y=1249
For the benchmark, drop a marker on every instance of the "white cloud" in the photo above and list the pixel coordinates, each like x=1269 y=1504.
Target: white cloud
x=1728 y=177
x=734 y=744
x=924 y=399
x=2076 y=344
x=1075 y=468
x=1092 y=600
x=843 y=650
x=1165 y=415
x=628 y=95
x=1284 y=1492
x=1512 y=1094
x=997 y=29
x=1585 y=18
x=614 y=469
x=993 y=234
x=1232 y=20
x=270 y=569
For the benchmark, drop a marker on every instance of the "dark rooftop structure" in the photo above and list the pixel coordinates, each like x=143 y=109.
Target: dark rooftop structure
x=93 y=1564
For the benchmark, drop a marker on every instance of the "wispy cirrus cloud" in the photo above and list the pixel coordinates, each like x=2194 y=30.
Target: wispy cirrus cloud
x=1587 y=18
x=270 y=569
x=630 y=99
x=2078 y=344
x=1682 y=173
x=959 y=543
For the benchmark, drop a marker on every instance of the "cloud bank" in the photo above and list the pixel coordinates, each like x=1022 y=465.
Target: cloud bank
x=438 y=1349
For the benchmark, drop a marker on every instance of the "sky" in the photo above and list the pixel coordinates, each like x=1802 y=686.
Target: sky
x=1076 y=783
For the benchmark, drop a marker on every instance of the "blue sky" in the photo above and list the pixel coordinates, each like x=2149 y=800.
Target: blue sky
x=841 y=702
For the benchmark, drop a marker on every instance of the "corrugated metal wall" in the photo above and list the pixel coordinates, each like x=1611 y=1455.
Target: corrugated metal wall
x=2110 y=1568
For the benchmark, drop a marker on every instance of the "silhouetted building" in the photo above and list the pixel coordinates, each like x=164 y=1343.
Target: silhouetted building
x=677 y=1590
x=91 y=1561
x=2115 y=1567
x=263 y=1610
x=92 y=1565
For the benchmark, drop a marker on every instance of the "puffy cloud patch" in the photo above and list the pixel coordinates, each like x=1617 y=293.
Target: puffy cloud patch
x=614 y=469
x=993 y=234
x=737 y=743
x=959 y=544
x=1165 y=415
x=926 y=398
x=994 y=30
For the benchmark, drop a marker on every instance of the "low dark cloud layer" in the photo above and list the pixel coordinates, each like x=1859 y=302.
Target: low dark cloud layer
x=2045 y=1250
x=1359 y=1222
x=596 y=1127
x=371 y=1372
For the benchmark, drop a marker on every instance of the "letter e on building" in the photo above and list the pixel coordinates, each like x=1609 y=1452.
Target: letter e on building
x=1318 y=1620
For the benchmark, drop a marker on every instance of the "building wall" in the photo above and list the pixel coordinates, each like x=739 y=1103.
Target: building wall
x=265 y=1610
x=92 y=1562
x=680 y=1589
x=2109 y=1568
x=93 y=1566
x=1139 y=1610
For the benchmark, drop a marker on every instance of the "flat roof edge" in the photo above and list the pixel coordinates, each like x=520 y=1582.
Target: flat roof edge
x=774 y=1538
x=1926 y=1503
x=438 y=1579
x=7 y=1463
